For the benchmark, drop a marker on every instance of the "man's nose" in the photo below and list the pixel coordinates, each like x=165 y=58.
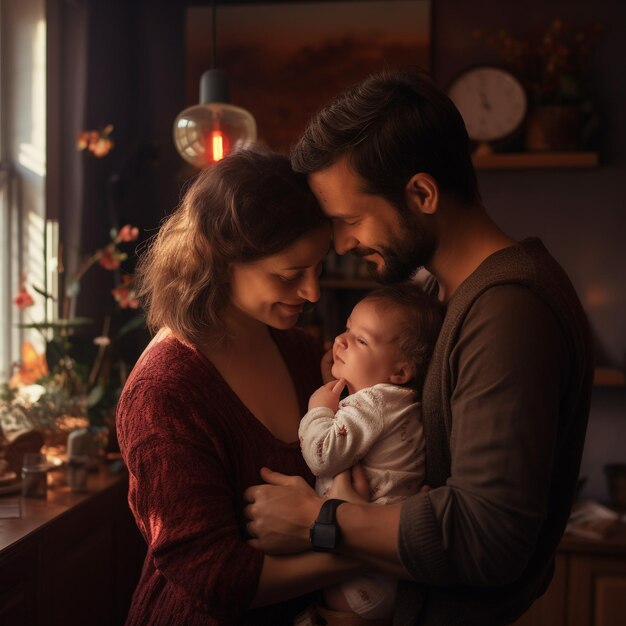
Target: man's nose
x=343 y=240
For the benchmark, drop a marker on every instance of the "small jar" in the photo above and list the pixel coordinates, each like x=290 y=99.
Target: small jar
x=34 y=476
x=77 y=473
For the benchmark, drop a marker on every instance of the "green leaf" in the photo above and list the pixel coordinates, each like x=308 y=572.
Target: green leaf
x=59 y=324
x=95 y=395
x=44 y=293
x=135 y=323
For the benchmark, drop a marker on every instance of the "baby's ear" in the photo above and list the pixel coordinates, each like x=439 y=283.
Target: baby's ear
x=402 y=373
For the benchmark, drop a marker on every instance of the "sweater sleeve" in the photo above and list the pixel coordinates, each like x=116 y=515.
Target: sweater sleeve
x=332 y=443
x=183 y=500
x=509 y=368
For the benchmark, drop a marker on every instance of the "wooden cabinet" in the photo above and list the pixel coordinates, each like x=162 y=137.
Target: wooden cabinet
x=589 y=585
x=597 y=591
x=73 y=559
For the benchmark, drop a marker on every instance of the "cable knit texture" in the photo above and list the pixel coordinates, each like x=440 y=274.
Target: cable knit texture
x=505 y=407
x=192 y=448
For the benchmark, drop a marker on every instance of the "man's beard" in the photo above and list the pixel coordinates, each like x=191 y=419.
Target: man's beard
x=412 y=250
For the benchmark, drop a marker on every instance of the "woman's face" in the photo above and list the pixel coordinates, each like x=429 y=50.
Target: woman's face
x=274 y=290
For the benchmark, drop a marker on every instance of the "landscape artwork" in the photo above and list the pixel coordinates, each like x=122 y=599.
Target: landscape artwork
x=286 y=60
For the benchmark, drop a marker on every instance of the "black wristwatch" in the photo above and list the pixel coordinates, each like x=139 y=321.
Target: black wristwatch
x=324 y=532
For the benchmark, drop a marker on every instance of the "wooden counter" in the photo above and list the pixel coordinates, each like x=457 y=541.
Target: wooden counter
x=589 y=584
x=73 y=558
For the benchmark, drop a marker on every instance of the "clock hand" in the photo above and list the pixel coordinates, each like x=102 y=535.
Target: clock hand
x=484 y=101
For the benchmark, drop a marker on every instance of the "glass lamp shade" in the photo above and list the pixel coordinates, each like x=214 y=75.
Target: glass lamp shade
x=206 y=133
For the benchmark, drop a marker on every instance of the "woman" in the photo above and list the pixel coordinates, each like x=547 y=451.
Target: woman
x=219 y=393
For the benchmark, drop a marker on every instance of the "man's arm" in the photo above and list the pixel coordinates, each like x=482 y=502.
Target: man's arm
x=283 y=510
x=481 y=527
x=509 y=368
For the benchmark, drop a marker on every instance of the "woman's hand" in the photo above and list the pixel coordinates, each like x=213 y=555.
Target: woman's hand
x=351 y=485
x=280 y=513
x=328 y=395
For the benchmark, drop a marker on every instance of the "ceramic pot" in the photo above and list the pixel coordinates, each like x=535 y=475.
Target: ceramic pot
x=553 y=128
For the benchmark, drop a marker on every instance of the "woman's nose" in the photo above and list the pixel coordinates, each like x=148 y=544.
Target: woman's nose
x=309 y=288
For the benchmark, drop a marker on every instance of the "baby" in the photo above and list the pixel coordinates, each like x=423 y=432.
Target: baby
x=382 y=358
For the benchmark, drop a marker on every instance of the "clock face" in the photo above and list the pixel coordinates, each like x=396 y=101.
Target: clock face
x=491 y=101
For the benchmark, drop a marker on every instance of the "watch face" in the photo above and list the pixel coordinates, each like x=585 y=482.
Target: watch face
x=323 y=537
x=492 y=102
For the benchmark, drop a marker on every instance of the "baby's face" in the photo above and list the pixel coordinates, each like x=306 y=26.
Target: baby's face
x=367 y=352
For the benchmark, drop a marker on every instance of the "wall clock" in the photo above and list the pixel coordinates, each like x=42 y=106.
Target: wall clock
x=491 y=100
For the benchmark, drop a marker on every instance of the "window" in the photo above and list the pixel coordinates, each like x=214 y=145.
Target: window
x=22 y=166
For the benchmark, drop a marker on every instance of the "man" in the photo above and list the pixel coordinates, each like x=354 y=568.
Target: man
x=506 y=398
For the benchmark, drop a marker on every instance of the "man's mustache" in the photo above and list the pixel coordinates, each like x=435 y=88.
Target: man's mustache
x=361 y=252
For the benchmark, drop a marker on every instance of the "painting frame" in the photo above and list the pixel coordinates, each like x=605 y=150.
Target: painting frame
x=285 y=59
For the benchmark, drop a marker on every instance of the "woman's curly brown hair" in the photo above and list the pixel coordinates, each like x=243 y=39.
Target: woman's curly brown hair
x=248 y=206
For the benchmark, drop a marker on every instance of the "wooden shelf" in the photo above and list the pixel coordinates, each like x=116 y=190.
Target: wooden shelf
x=609 y=377
x=535 y=160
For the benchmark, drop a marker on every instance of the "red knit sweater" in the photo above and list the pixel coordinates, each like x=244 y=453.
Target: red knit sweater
x=192 y=448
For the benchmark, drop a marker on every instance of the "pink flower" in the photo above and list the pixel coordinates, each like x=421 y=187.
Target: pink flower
x=101 y=148
x=109 y=259
x=125 y=295
x=127 y=233
x=98 y=142
x=23 y=298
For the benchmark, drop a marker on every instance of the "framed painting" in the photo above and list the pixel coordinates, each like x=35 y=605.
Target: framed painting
x=284 y=60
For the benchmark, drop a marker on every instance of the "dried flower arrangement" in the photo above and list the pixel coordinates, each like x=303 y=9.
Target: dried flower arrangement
x=552 y=63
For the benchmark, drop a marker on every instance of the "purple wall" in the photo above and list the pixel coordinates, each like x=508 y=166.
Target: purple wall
x=579 y=214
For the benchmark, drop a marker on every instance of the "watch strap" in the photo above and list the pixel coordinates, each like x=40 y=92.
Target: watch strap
x=328 y=512
x=324 y=532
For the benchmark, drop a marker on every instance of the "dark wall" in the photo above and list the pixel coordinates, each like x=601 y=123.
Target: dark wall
x=579 y=214
x=137 y=82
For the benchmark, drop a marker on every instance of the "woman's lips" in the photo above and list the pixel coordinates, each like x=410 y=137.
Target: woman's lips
x=291 y=309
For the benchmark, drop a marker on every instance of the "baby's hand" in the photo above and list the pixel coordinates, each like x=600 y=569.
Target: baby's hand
x=327 y=362
x=327 y=395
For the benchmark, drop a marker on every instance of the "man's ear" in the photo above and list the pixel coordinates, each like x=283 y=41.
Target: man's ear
x=403 y=372
x=422 y=193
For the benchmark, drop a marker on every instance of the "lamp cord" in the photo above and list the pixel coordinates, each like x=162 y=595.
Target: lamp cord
x=214 y=34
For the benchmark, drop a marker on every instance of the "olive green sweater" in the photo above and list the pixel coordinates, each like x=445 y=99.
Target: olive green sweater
x=505 y=408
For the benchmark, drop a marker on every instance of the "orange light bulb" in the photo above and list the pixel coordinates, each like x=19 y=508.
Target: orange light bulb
x=217 y=143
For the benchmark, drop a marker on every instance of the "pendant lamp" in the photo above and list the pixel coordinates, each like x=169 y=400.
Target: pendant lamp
x=207 y=132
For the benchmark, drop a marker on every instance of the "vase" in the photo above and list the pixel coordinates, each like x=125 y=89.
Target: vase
x=553 y=128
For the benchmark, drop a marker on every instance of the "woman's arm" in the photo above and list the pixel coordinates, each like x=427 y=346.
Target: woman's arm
x=184 y=505
x=284 y=577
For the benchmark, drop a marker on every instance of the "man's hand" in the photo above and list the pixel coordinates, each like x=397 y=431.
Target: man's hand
x=281 y=513
x=327 y=395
